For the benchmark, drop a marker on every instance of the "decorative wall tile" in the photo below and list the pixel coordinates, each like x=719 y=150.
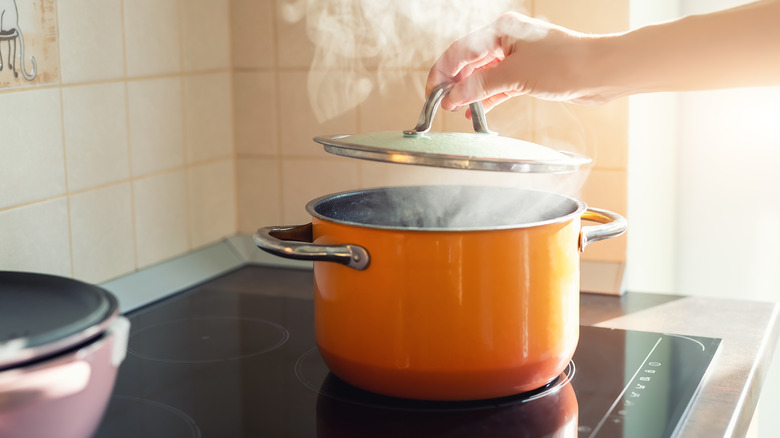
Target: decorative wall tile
x=91 y=40
x=101 y=226
x=95 y=134
x=259 y=197
x=253 y=24
x=255 y=113
x=28 y=45
x=152 y=37
x=205 y=35
x=212 y=202
x=35 y=238
x=208 y=117
x=304 y=180
x=299 y=122
x=32 y=165
x=161 y=217
x=156 y=125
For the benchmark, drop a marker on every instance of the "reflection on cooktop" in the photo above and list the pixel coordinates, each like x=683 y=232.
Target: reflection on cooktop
x=238 y=362
x=312 y=371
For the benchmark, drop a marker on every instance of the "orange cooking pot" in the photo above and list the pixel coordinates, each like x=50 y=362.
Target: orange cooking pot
x=445 y=292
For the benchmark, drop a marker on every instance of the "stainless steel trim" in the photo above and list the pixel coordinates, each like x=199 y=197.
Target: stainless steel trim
x=333 y=145
x=294 y=242
x=613 y=225
x=425 y=121
x=578 y=209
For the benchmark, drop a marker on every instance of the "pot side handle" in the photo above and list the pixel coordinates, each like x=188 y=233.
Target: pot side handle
x=613 y=225
x=295 y=242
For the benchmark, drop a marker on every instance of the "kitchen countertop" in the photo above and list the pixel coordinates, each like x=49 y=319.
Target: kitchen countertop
x=749 y=330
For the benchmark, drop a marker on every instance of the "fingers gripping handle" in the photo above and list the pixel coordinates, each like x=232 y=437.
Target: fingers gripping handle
x=432 y=104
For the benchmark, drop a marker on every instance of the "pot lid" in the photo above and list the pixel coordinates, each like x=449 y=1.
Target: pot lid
x=481 y=150
x=41 y=315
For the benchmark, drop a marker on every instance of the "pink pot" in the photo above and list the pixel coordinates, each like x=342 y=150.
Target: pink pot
x=59 y=388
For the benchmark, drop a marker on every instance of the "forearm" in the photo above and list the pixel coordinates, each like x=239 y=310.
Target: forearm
x=738 y=47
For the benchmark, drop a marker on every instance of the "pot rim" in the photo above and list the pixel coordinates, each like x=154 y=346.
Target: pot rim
x=18 y=351
x=576 y=213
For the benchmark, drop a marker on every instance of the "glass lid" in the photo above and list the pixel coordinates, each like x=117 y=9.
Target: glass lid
x=481 y=150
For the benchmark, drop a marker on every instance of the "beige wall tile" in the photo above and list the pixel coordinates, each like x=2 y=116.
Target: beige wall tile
x=32 y=165
x=558 y=125
x=396 y=105
x=101 y=224
x=212 y=202
x=599 y=132
x=161 y=217
x=259 y=197
x=35 y=238
x=256 y=116
x=156 y=125
x=456 y=121
x=294 y=48
x=205 y=35
x=208 y=117
x=597 y=16
x=606 y=189
x=254 y=38
x=91 y=44
x=152 y=37
x=96 y=147
x=378 y=174
x=304 y=180
x=37 y=54
x=513 y=118
x=298 y=122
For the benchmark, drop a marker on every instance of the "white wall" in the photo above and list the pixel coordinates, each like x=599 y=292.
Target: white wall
x=703 y=201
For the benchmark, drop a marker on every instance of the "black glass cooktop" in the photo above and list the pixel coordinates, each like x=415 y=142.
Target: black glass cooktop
x=236 y=357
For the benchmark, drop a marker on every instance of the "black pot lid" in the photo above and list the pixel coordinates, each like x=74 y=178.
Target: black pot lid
x=481 y=150
x=41 y=315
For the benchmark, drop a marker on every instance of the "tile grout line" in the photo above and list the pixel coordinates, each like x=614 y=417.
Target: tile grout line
x=278 y=107
x=67 y=194
x=182 y=101
x=118 y=182
x=131 y=177
x=233 y=151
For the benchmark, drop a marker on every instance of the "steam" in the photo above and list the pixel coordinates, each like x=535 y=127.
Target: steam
x=447 y=207
x=362 y=44
x=476 y=198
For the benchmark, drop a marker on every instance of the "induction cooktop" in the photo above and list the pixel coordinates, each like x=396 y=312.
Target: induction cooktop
x=236 y=357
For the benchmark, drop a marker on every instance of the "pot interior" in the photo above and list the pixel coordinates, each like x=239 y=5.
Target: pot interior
x=446 y=207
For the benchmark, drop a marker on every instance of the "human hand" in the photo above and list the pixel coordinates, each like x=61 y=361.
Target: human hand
x=518 y=55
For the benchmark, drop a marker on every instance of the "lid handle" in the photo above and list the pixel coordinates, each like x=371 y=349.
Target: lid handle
x=432 y=104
